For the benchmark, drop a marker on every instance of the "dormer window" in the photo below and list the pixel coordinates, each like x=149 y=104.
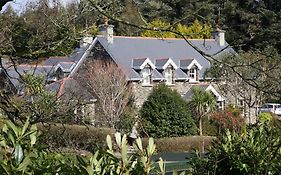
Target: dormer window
x=144 y=66
x=193 y=74
x=167 y=67
x=169 y=75
x=146 y=75
x=191 y=67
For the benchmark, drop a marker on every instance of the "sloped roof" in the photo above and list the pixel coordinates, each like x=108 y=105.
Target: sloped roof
x=137 y=62
x=14 y=73
x=205 y=87
x=124 y=49
x=66 y=66
x=184 y=63
x=159 y=63
x=70 y=89
x=53 y=61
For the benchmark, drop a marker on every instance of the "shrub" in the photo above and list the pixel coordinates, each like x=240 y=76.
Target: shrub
x=256 y=150
x=22 y=154
x=165 y=114
x=73 y=137
x=230 y=118
x=210 y=127
x=182 y=144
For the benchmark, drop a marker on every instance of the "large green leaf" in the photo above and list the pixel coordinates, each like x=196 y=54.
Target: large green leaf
x=18 y=153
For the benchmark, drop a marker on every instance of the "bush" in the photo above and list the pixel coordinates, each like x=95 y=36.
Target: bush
x=230 y=118
x=165 y=114
x=73 y=137
x=256 y=150
x=21 y=153
x=210 y=128
x=182 y=144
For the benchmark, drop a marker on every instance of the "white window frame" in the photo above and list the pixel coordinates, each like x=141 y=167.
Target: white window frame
x=169 y=75
x=146 y=75
x=193 y=74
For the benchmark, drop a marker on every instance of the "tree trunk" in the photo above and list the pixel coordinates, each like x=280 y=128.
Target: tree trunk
x=200 y=126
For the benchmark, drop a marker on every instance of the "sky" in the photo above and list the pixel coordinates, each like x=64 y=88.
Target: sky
x=19 y=5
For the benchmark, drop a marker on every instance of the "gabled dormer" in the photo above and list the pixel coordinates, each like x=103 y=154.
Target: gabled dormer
x=167 y=67
x=191 y=67
x=144 y=67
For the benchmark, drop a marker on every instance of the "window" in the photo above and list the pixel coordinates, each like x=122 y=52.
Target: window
x=146 y=75
x=168 y=74
x=193 y=74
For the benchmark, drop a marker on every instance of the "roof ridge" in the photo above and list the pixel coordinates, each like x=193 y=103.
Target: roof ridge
x=159 y=38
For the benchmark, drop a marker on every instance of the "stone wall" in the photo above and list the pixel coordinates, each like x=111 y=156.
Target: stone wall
x=142 y=92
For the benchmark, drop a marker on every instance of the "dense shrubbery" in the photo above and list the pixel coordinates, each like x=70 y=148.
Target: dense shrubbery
x=256 y=150
x=165 y=114
x=73 y=137
x=20 y=153
x=182 y=144
x=230 y=118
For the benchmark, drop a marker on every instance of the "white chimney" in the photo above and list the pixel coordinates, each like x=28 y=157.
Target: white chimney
x=107 y=32
x=219 y=36
x=85 y=41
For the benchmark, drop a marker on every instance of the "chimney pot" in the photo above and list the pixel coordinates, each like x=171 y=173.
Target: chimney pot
x=107 y=32
x=219 y=36
x=85 y=41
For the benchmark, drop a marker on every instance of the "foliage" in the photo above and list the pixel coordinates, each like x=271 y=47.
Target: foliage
x=230 y=118
x=195 y=31
x=165 y=114
x=127 y=120
x=36 y=102
x=265 y=117
x=19 y=155
x=159 y=25
x=73 y=138
x=257 y=150
x=201 y=104
x=210 y=128
x=250 y=77
x=182 y=144
x=17 y=147
x=249 y=24
x=59 y=31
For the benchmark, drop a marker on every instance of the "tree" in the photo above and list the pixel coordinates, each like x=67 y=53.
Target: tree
x=195 y=31
x=34 y=101
x=109 y=84
x=160 y=25
x=201 y=103
x=252 y=80
x=165 y=114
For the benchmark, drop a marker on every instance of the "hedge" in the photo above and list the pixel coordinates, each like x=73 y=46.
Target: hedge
x=182 y=144
x=73 y=138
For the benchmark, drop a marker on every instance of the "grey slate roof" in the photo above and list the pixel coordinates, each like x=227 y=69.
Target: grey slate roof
x=159 y=63
x=77 y=53
x=14 y=76
x=66 y=66
x=180 y=75
x=184 y=63
x=188 y=95
x=124 y=49
x=137 y=62
x=70 y=89
x=53 y=61
x=156 y=75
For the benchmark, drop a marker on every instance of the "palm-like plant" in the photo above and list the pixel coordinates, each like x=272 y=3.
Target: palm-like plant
x=202 y=103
